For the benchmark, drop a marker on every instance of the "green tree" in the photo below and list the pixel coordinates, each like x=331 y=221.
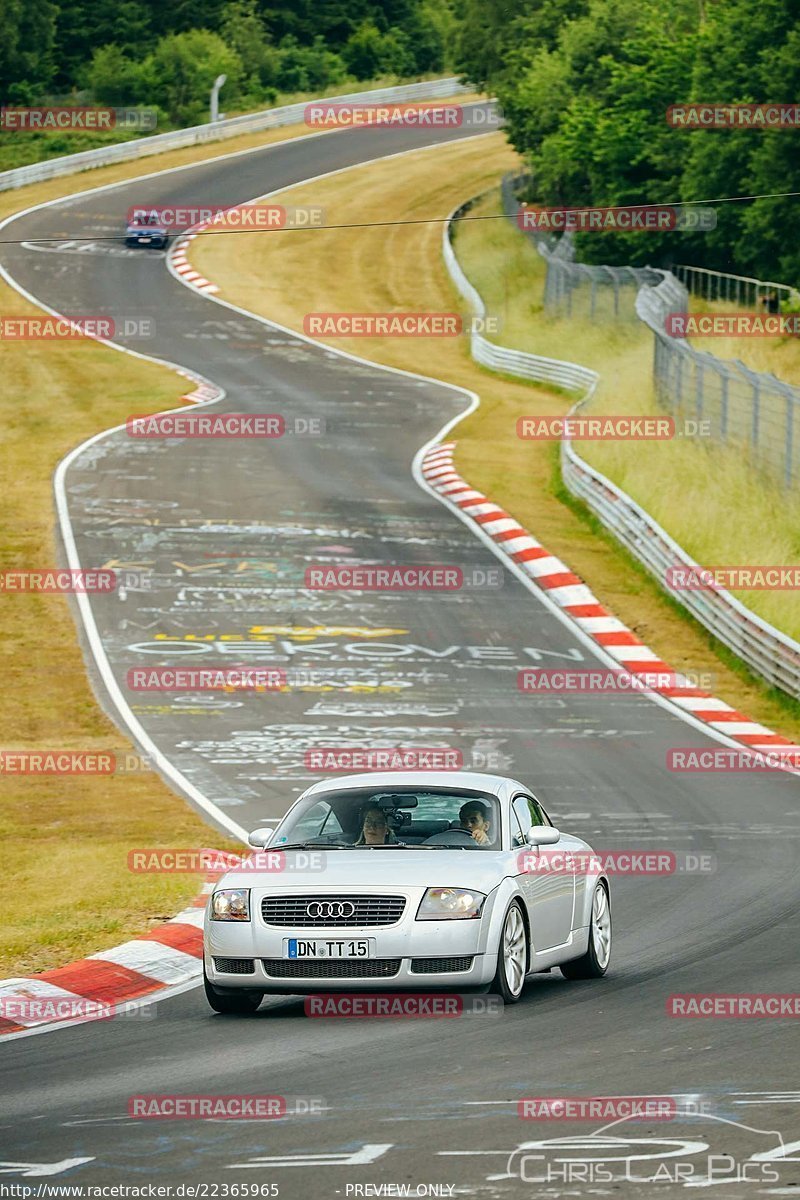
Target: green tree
x=26 y=45
x=304 y=68
x=183 y=68
x=747 y=54
x=115 y=78
x=491 y=34
x=370 y=53
x=242 y=29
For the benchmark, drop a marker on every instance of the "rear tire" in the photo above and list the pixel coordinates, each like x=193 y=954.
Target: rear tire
x=594 y=963
x=512 y=956
x=240 y=1003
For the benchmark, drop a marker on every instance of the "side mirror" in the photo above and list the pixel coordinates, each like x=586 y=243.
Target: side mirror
x=260 y=838
x=542 y=835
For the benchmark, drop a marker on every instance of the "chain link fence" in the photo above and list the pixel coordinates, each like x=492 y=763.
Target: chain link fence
x=740 y=290
x=737 y=405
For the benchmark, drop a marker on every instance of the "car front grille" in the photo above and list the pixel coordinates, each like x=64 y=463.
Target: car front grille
x=331 y=912
x=440 y=966
x=235 y=966
x=356 y=968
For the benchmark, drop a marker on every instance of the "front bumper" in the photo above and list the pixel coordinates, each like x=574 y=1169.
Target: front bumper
x=481 y=972
x=155 y=240
x=396 y=945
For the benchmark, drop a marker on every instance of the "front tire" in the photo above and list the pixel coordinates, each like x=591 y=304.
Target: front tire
x=512 y=956
x=594 y=963
x=240 y=1003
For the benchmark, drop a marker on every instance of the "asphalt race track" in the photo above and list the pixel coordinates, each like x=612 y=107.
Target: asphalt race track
x=227 y=530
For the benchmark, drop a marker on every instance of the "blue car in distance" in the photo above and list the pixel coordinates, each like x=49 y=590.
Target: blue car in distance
x=146 y=230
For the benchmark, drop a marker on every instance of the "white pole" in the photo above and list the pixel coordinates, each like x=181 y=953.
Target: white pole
x=218 y=82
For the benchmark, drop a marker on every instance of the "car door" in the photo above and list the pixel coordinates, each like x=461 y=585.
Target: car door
x=549 y=893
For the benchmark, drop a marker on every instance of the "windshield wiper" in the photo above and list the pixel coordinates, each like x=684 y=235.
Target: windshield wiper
x=312 y=846
x=396 y=846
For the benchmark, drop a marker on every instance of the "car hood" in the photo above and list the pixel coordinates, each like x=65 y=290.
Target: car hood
x=346 y=870
x=157 y=229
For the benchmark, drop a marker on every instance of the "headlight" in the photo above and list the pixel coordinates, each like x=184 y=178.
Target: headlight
x=231 y=905
x=450 y=904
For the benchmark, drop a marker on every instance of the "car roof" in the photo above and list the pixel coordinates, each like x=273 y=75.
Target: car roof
x=469 y=780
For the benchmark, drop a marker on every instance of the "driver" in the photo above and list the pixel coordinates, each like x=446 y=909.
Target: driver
x=375 y=829
x=474 y=816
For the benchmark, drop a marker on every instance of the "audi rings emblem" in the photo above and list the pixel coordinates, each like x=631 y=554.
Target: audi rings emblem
x=330 y=910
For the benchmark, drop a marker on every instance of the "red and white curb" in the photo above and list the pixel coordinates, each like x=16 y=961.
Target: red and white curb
x=93 y=988
x=184 y=268
x=579 y=603
x=204 y=393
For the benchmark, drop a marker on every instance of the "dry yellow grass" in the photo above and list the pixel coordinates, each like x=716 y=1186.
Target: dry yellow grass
x=400 y=268
x=66 y=839
x=779 y=356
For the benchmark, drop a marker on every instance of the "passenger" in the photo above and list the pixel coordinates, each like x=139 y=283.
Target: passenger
x=374 y=827
x=474 y=816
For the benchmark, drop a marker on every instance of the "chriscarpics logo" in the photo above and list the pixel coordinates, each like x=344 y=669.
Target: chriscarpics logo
x=697 y=1149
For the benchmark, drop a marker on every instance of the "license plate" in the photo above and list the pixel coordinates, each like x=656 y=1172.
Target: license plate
x=141 y=239
x=321 y=948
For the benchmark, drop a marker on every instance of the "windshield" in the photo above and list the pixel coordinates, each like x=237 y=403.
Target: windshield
x=370 y=817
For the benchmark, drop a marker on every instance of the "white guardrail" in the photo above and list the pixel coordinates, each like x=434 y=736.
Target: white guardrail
x=270 y=118
x=566 y=375
x=765 y=649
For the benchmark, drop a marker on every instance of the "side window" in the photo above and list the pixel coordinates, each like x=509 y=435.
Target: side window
x=545 y=819
x=522 y=813
x=517 y=835
x=529 y=812
x=318 y=821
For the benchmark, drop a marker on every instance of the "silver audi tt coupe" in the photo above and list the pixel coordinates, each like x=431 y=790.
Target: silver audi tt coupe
x=399 y=880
